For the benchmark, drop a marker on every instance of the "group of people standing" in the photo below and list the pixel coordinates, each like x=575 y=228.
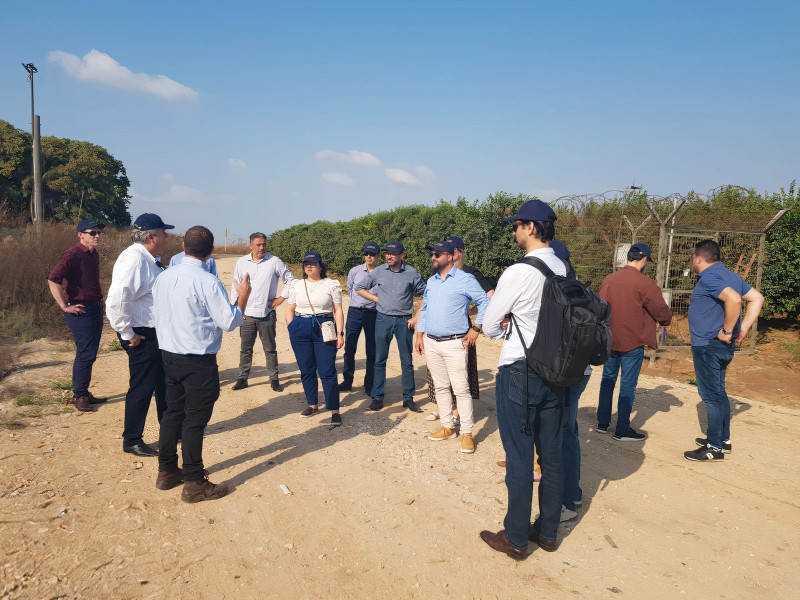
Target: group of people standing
x=170 y=323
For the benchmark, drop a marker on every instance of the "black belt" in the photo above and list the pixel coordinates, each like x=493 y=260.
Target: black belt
x=396 y=316
x=363 y=309
x=446 y=338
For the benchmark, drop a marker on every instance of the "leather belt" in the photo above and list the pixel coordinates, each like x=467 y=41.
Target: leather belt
x=446 y=338
x=319 y=316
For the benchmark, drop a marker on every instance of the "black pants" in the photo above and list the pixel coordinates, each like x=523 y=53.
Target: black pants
x=192 y=390
x=146 y=379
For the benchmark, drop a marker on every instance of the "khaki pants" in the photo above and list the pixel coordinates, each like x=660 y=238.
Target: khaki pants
x=447 y=364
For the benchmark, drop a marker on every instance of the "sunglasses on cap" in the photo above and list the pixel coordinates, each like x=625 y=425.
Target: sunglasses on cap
x=93 y=232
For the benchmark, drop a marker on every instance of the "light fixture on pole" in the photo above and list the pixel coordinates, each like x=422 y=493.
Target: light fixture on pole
x=37 y=208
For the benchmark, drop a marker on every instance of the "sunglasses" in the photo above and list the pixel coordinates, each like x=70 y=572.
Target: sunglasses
x=518 y=224
x=438 y=254
x=93 y=233
x=370 y=254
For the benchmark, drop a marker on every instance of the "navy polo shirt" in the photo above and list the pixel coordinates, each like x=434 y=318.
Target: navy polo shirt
x=706 y=310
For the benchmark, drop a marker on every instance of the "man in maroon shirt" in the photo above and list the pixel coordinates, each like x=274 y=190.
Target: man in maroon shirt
x=80 y=300
x=636 y=306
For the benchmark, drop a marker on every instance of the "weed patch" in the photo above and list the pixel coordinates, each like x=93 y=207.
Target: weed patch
x=60 y=384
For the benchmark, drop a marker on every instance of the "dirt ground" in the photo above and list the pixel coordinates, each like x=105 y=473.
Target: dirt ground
x=376 y=509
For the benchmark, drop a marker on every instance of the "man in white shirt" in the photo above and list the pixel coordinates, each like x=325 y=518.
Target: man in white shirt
x=265 y=271
x=191 y=311
x=528 y=409
x=129 y=308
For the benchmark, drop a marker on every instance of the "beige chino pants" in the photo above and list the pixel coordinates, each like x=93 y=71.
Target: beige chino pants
x=447 y=364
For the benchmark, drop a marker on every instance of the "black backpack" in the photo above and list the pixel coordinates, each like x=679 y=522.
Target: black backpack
x=573 y=330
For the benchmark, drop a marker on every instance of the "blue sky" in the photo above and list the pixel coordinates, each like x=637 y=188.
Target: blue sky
x=270 y=114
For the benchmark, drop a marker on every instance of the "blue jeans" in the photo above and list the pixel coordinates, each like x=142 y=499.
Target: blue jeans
x=315 y=356
x=86 y=330
x=358 y=319
x=710 y=364
x=147 y=379
x=570 y=446
x=631 y=363
x=545 y=421
x=387 y=327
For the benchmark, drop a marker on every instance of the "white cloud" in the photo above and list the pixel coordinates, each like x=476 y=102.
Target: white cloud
x=100 y=67
x=354 y=156
x=402 y=176
x=237 y=163
x=339 y=179
x=178 y=194
x=423 y=172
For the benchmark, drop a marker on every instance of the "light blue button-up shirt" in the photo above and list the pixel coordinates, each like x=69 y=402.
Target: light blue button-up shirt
x=191 y=309
x=209 y=265
x=359 y=274
x=446 y=302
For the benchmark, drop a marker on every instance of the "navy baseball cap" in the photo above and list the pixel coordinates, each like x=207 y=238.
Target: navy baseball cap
x=560 y=248
x=642 y=249
x=394 y=247
x=312 y=257
x=372 y=248
x=456 y=241
x=533 y=210
x=148 y=221
x=88 y=224
x=443 y=246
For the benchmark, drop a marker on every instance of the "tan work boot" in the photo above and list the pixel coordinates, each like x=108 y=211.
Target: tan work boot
x=443 y=434
x=198 y=491
x=467 y=443
x=167 y=480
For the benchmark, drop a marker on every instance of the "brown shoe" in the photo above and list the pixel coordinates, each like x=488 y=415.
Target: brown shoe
x=83 y=404
x=498 y=541
x=198 y=491
x=543 y=543
x=167 y=480
x=95 y=400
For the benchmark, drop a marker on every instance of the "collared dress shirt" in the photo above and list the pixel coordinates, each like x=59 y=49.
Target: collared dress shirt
x=80 y=266
x=264 y=276
x=446 y=302
x=395 y=289
x=519 y=291
x=209 y=265
x=192 y=310
x=130 y=296
x=357 y=275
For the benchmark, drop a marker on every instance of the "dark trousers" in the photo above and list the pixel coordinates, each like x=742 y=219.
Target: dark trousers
x=570 y=445
x=710 y=365
x=358 y=319
x=545 y=422
x=192 y=390
x=315 y=356
x=263 y=327
x=630 y=364
x=387 y=327
x=86 y=330
x=146 y=379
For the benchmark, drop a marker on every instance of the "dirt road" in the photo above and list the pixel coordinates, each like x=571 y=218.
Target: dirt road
x=378 y=511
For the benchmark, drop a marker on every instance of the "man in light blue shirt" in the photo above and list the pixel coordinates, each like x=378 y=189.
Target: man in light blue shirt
x=209 y=264
x=191 y=310
x=444 y=321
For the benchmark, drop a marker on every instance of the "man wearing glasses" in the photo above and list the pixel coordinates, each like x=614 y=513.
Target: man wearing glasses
x=397 y=283
x=360 y=315
x=80 y=301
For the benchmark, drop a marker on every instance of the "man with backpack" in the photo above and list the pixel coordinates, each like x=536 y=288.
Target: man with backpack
x=636 y=306
x=529 y=409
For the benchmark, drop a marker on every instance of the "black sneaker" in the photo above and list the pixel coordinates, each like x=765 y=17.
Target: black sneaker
x=345 y=386
x=336 y=419
x=726 y=444
x=412 y=406
x=309 y=411
x=706 y=453
x=601 y=429
x=630 y=436
x=240 y=384
x=276 y=386
x=375 y=406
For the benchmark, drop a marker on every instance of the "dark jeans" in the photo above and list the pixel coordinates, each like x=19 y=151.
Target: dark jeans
x=358 y=319
x=265 y=329
x=630 y=363
x=710 y=364
x=146 y=379
x=192 y=390
x=86 y=330
x=315 y=356
x=570 y=445
x=387 y=327
x=545 y=421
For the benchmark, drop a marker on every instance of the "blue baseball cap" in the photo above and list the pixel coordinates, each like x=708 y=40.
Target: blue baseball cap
x=312 y=256
x=88 y=224
x=642 y=249
x=372 y=248
x=560 y=248
x=394 y=247
x=443 y=246
x=148 y=221
x=456 y=241
x=533 y=210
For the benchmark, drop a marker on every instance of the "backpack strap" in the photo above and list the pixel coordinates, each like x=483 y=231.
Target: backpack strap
x=537 y=263
x=525 y=427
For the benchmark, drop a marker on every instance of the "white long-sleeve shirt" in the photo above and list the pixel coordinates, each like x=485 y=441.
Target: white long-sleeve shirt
x=519 y=291
x=130 y=298
x=264 y=277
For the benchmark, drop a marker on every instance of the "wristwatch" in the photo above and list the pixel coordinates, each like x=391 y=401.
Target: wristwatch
x=474 y=328
x=726 y=332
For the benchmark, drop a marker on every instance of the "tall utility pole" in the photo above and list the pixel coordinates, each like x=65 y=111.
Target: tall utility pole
x=37 y=212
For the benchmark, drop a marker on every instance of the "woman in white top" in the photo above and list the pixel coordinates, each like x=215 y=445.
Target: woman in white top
x=314 y=301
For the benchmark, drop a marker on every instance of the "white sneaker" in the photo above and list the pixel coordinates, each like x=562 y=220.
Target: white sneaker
x=567 y=514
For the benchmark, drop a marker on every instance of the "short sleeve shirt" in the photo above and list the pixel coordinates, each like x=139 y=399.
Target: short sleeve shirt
x=706 y=310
